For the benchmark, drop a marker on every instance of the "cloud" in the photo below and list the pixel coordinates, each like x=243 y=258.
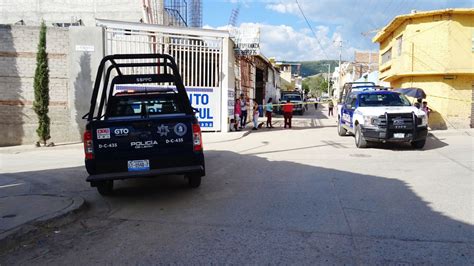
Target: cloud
x=284 y=8
x=286 y=43
x=333 y=21
x=352 y=18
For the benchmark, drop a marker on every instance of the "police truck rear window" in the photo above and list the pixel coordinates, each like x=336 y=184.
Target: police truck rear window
x=144 y=105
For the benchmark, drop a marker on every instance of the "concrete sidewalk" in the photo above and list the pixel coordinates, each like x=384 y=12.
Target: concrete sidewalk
x=24 y=214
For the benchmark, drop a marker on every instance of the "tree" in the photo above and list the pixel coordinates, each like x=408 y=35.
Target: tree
x=315 y=84
x=41 y=89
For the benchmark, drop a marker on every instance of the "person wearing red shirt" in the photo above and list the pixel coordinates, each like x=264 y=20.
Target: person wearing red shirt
x=288 y=113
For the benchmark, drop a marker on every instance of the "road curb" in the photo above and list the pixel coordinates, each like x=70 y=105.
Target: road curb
x=241 y=134
x=30 y=229
x=446 y=133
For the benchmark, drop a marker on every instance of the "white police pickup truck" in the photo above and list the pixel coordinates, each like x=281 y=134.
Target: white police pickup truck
x=375 y=115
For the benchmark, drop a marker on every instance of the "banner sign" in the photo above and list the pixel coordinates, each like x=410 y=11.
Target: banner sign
x=246 y=40
x=230 y=102
x=206 y=100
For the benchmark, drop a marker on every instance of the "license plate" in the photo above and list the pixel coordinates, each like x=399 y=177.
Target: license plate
x=399 y=135
x=138 y=165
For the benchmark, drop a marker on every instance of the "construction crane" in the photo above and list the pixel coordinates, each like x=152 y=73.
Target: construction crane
x=234 y=15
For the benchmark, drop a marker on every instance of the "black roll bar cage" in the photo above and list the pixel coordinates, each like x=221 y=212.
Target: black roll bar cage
x=164 y=60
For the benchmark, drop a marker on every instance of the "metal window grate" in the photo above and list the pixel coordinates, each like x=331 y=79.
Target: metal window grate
x=199 y=58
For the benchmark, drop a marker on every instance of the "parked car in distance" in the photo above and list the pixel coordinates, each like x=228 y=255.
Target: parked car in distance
x=296 y=99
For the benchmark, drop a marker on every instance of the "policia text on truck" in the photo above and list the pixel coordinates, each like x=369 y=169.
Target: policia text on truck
x=141 y=125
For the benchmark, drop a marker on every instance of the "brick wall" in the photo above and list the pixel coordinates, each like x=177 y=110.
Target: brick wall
x=18 y=45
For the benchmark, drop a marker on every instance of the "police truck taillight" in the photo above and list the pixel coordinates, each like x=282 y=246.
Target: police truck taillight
x=197 y=138
x=88 y=146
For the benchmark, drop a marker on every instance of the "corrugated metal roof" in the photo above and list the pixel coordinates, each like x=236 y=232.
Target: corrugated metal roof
x=398 y=20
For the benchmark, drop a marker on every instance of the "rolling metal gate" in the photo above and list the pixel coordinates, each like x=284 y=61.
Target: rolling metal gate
x=198 y=56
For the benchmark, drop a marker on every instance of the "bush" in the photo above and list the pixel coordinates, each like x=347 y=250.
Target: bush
x=41 y=88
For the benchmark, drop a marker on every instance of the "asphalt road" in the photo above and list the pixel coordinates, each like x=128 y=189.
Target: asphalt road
x=299 y=196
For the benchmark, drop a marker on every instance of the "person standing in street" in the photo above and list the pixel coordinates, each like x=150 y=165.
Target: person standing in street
x=255 y=114
x=288 y=113
x=237 y=113
x=243 y=108
x=330 y=107
x=269 y=112
x=426 y=109
x=418 y=103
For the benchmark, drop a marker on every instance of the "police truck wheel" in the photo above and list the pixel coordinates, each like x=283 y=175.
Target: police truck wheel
x=340 y=129
x=194 y=180
x=419 y=144
x=359 y=139
x=105 y=188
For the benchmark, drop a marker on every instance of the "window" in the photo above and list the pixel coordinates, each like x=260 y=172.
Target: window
x=353 y=100
x=472 y=39
x=144 y=105
x=387 y=56
x=399 y=45
x=291 y=97
x=391 y=99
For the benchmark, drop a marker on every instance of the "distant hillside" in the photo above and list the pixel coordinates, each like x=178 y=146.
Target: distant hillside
x=310 y=68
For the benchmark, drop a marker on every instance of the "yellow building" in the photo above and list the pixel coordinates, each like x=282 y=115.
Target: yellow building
x=434 y=51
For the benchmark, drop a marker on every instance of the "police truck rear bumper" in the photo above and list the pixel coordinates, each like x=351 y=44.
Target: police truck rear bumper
x=194 y=169
x=384 y=135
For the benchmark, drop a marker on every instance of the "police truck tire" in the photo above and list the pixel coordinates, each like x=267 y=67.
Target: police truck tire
x=419 y=144
x=359 y=139
x=194 y=180
x=105 y=188
x=341 y=131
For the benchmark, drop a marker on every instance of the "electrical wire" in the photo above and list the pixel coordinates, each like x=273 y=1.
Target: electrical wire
x=311 y=28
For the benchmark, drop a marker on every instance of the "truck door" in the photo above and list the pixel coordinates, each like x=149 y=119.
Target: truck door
x=348 y=109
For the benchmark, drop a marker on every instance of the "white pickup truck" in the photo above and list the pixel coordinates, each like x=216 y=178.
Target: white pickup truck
x=375 y=115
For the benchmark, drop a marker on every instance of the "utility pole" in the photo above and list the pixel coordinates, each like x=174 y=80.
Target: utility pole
x=329 y=70
x=339 y=70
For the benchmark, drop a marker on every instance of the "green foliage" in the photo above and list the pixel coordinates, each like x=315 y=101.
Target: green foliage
x=41 y=88
x=310 y=68
x=316 y=85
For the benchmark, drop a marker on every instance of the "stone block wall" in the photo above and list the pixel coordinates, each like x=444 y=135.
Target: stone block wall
x=18 y=46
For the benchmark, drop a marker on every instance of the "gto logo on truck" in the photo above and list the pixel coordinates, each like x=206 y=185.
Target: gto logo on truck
x=121 y=132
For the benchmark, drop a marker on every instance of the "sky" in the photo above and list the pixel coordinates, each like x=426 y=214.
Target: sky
x=285 y=34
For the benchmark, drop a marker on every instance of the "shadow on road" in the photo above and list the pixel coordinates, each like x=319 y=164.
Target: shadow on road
x=253 y=210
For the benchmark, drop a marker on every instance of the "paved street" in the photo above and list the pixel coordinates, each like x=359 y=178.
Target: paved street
x=299 y=196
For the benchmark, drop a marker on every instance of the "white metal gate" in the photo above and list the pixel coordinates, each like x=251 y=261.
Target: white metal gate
x=197 y=52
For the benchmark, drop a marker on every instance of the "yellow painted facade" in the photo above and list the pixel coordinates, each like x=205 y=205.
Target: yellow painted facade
x=434 y=51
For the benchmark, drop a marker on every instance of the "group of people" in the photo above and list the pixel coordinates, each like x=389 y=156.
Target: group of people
x=241 y=112
x=423 y=105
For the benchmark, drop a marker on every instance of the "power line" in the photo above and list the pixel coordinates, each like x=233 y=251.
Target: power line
x=360 y=17
x=311 y=28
